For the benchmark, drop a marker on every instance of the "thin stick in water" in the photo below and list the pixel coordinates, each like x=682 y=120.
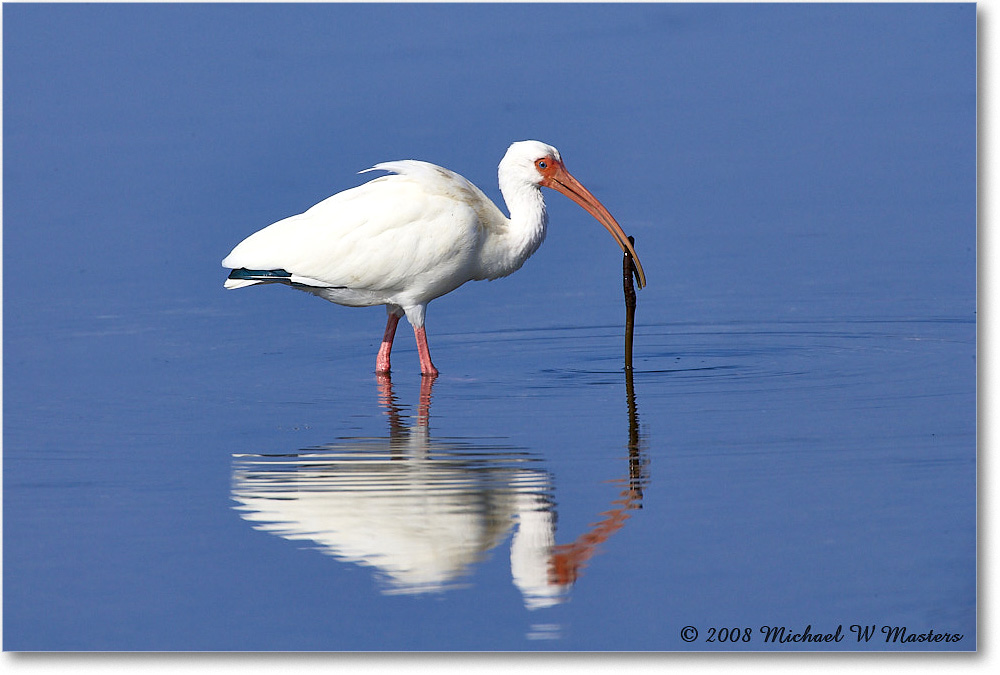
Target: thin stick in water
x=629 y=271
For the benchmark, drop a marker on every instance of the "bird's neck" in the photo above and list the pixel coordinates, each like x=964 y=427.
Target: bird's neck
x=510 y=246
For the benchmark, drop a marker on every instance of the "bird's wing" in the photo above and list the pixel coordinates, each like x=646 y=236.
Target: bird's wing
x=382 y=235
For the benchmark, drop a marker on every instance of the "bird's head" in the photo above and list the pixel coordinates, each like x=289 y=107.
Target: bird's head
x=530 y=162
x=539 y=164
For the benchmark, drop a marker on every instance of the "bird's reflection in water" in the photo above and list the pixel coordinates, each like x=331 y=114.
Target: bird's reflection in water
x=423 y=511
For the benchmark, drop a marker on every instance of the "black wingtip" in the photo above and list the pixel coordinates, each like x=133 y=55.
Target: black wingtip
x=244 y=274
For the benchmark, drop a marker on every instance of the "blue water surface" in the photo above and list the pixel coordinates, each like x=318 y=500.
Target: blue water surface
x=188 y=468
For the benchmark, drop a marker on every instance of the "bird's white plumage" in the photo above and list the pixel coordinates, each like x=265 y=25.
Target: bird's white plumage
x=400 y=239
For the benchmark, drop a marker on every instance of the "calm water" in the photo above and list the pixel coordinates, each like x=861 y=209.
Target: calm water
x=190 y=468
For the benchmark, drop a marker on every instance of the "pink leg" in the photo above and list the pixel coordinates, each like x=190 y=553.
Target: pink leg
x=382 y=360
x=426 y=367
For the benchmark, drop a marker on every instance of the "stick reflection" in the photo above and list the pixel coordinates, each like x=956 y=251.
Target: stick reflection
x=422 y=512
x=569 y=559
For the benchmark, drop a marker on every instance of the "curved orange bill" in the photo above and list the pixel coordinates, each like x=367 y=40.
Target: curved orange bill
x=562 y=181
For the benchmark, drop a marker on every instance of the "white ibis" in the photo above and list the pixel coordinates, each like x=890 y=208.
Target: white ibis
x=406 y=238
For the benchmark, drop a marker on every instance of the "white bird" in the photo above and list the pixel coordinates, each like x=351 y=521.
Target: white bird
x=406 y=238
